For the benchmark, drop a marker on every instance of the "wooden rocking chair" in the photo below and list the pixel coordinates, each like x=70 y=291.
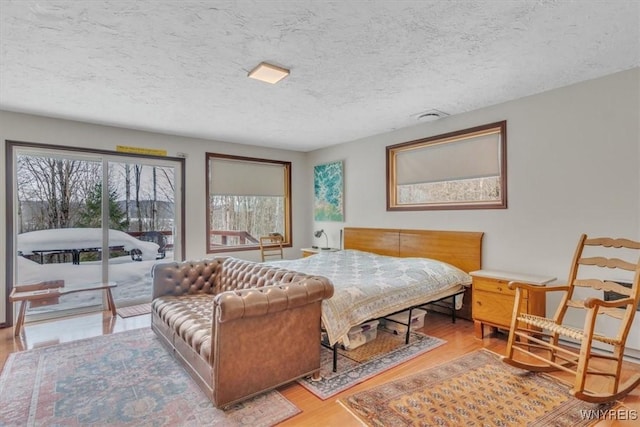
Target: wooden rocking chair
x=537 y=337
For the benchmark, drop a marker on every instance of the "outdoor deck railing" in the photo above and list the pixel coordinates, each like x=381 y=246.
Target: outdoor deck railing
x=243 y=237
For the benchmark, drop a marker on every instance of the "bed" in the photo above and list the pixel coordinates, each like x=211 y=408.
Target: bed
x=383 y=271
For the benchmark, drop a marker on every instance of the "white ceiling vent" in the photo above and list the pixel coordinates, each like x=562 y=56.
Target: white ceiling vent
x=431 y=115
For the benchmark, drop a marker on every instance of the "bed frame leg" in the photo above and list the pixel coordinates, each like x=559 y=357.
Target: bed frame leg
x=453 y=310
x=408 y=334
x=453 y=307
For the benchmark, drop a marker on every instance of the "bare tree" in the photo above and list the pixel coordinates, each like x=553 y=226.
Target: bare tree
x=127 y=190
x=258 y=216
x=148 y=195
x=154 y=203
x=137 y=174
x=53 y=186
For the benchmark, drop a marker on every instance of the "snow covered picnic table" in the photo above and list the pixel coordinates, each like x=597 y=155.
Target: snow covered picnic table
x=78 y=240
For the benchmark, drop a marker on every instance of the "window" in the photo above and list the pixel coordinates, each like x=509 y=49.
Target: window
x=248 y=198
x=466 y=169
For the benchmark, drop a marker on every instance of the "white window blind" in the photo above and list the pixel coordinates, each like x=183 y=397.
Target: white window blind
x=244 y=178
x=474 y=157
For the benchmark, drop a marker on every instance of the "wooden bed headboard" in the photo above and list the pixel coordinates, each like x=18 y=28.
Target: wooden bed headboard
x=462 y=249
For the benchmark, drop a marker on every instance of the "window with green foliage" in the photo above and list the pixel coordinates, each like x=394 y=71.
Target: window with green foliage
x=247 y=198
x=91 y=212
x=466 y=169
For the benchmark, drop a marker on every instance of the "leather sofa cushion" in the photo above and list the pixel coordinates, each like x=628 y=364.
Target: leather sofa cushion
x=189 y=316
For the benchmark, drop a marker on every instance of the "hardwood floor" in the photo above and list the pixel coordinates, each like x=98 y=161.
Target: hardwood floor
x=315 y=412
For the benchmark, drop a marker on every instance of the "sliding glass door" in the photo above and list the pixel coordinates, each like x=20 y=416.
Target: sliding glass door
x=87 y=218
x=55 y=238
x=147 y=214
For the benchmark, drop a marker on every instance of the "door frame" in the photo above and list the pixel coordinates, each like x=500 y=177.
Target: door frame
x=10 y=148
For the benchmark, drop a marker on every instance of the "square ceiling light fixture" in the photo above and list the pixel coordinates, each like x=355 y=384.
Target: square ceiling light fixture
x=268 y=73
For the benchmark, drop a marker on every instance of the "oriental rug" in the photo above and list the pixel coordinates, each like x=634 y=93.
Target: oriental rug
x=124 y=379
x=477 y=389
x=384 y=342
x=358 y=365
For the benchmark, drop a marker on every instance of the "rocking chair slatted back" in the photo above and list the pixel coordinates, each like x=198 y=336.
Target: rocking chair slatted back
x=538 y=337
x=603 y=285
x=608 y=262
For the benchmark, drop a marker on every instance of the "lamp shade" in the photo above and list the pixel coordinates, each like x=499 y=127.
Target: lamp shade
x=319 y=233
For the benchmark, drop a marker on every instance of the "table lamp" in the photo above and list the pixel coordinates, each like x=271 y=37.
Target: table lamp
x=319 y=233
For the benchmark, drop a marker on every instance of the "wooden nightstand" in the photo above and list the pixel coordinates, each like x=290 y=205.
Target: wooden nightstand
x=493 y=301
x=312 y=251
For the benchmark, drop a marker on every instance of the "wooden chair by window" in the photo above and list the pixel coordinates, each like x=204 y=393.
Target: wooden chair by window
x=534 y=338
x=271 y=247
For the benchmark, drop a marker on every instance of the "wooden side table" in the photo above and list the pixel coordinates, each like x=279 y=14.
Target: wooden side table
x=46 y=293
x=493 y=300
x=312 y=251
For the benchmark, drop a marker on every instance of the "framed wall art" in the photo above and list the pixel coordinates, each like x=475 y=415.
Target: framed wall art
x=328 y=183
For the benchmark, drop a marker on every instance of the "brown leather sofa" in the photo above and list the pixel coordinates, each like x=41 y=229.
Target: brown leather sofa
x=239 y=328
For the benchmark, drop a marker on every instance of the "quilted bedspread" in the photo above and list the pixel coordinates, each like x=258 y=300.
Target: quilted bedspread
x=369 y=286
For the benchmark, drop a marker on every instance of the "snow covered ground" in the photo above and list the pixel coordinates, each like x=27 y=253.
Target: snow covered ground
x=133 y=280
x=132 y=277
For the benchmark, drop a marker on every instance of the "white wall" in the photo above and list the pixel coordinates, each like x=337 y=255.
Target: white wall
x=572 y=168
x=23 y=127
x=573 y=156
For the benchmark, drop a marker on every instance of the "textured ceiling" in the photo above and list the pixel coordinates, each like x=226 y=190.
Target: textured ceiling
x=358 y=68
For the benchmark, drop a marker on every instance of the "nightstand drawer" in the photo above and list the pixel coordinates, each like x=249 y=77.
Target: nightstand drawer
x=493 y=300
x=494 y=308
x=499 y=286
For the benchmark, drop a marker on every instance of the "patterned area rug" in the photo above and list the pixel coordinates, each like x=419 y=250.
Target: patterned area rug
x=476 y=390
x=134 y=310
x=124 y=379
x=377 y=359
x=384 y=343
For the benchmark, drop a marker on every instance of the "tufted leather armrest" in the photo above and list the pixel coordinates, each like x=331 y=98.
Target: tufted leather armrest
x=271 y=299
